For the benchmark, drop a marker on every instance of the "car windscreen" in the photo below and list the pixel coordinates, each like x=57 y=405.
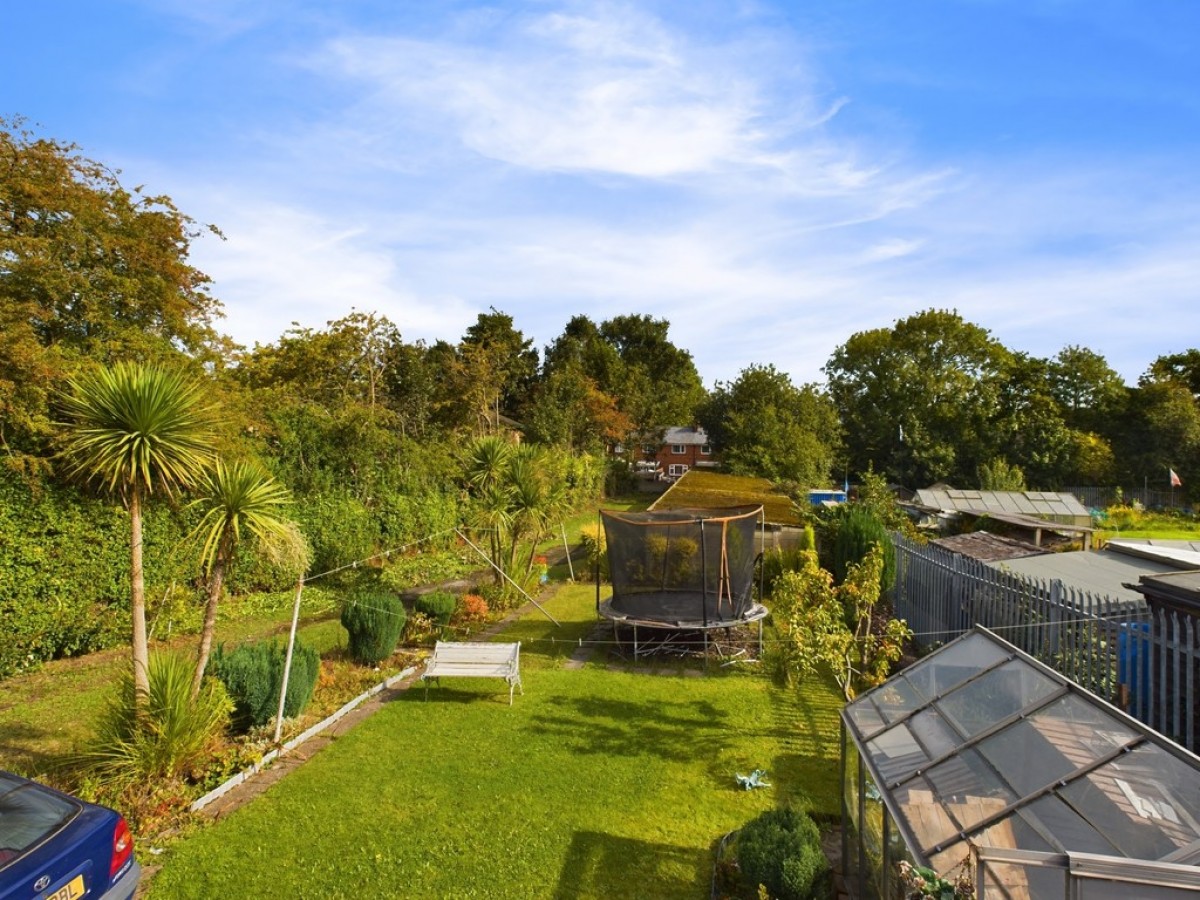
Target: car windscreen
x=29 y=815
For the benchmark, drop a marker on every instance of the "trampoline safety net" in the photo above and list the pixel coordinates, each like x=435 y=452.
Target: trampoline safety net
x=683 y=566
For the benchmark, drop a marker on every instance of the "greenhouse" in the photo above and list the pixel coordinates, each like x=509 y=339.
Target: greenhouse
x=982 y=764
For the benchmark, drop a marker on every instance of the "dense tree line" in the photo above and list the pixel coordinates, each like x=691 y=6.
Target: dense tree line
x=372 y=433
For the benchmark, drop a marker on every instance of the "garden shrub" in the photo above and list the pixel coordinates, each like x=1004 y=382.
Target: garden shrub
x=591 y=538
x=253 y=675
x=175 y=733
x=472 y=608
x=374 y=619
x=403 y=573
x=781 y=849
x=857 y=530
x=438 y=605
x=64 y=567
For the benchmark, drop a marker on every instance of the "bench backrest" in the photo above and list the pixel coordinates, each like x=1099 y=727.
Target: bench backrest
x=474 y=653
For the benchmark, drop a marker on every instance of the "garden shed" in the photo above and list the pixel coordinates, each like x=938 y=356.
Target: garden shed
x=980 y=761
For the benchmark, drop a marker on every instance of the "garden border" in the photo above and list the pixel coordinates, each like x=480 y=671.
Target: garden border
x=268 y=758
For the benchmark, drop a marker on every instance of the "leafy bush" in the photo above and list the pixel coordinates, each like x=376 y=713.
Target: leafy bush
x=430 y=567
x=374 y=619
x=591 y=538
x=175 y=733
x=472 y=608
x=64 y=567
x=857 y=531
x=253 y=675
x=438 y=605
x=781 y=849
x=339 y=528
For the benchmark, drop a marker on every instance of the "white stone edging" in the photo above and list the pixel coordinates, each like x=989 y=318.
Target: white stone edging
x=295 y=742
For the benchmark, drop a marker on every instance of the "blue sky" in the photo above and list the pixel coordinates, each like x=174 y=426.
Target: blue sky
x=770 y=177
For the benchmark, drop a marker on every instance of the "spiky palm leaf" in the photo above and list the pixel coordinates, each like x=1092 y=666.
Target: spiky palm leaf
x=134 y=427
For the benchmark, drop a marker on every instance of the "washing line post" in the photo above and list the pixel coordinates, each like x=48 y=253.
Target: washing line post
x=567 y=548
x=287 y=663
x=505 y=575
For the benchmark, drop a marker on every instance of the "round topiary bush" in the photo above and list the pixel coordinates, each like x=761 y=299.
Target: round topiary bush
x=374 y=620
x=781 y=850
x=438 y=605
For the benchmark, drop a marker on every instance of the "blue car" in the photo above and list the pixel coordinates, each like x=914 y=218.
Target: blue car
x=55 y=847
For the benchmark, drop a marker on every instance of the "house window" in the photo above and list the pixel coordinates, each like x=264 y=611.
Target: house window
x=676 y=469
x=678 y=449
x=706 y=449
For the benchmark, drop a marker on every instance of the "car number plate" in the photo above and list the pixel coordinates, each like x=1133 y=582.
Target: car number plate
x=72 y=890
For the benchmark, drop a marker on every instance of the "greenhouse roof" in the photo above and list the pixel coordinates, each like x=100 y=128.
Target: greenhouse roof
x=979 y=745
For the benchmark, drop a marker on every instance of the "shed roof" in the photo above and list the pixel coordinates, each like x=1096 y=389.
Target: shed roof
x=1040 y=504
x=980 y=744
x=987 y=547
x=1099 y=572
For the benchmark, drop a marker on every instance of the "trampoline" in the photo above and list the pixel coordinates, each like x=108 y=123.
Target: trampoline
x=682 y=569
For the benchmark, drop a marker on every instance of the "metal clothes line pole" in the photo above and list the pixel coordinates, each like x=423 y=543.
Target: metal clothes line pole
x=287 y=663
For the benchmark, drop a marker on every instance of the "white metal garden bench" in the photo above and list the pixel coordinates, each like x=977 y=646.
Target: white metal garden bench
x=453 y=659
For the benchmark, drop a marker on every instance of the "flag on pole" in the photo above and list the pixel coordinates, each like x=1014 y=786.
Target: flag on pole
x=1175 y=482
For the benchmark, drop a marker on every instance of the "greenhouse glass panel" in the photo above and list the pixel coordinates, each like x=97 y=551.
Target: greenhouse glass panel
x=1049 y=815
x=866 y=718
x=929 y=822
x=954 y=663
x=969 y=788
x=1111 y=889
x=996 y=695
x=935 y=735
x=897 y=698
x=1144 y=802
x=1052 y=743
x=1014 y=881
x=896 y=754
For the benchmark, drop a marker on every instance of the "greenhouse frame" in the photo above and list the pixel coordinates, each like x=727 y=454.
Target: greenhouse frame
x=980 y=762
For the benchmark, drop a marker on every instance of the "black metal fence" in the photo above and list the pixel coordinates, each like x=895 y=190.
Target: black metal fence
x=1144 y=662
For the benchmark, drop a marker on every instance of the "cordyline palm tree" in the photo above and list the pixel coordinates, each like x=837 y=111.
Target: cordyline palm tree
x=134 y=429
x=237 y=497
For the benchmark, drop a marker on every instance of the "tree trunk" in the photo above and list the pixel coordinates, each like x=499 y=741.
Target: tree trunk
x=141 y=649
x=216 y=582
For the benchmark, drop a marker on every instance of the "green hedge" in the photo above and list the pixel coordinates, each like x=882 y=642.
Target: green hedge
x=64 y=570
x=253 y=676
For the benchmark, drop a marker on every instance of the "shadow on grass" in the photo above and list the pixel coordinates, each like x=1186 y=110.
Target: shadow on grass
x=24 y=749
x=605 y=865
x=677 y=730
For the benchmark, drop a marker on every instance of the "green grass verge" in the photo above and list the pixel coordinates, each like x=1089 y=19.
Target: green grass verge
x=596 y=783
x=47 y=716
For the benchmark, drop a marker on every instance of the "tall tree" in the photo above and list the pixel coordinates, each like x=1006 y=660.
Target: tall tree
x=133 y=429
x=87 y=269
x=510 y=355
x=1086 y=387
x=238 y=499
x=918 y=399
x=761 y=424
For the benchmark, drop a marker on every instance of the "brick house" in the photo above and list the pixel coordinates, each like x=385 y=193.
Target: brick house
x=681 y=449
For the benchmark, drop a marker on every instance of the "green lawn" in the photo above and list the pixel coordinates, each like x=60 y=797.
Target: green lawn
x=596 y=783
